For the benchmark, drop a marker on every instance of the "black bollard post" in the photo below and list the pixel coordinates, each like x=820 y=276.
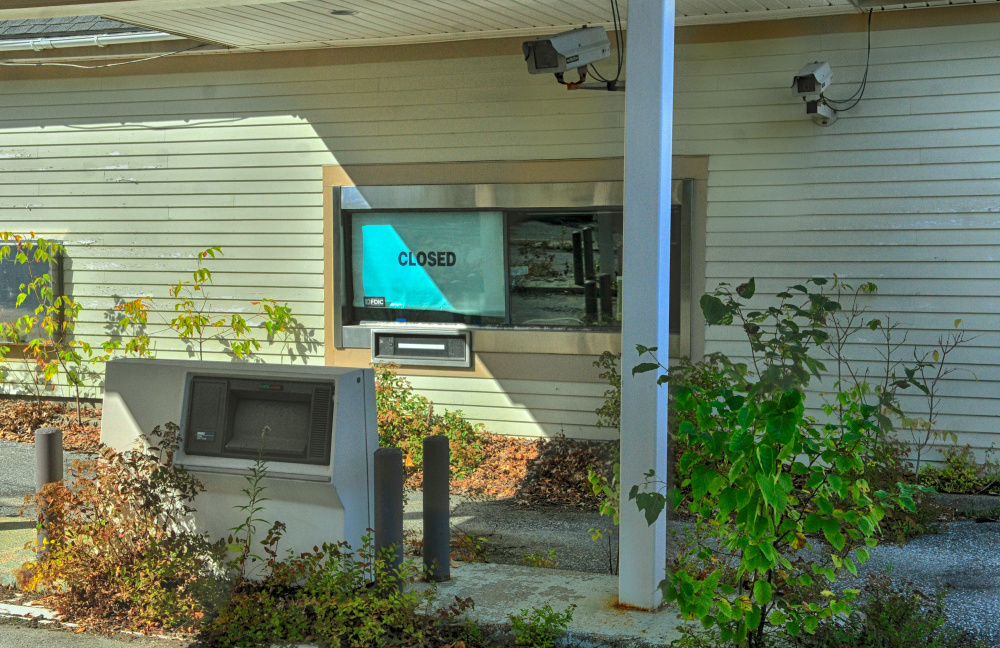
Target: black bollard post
x=588 y=252
x=578 y=258
x=389 y=506
x=48 y=469
x=437 y=510
x=604 y=284
x=590 y=297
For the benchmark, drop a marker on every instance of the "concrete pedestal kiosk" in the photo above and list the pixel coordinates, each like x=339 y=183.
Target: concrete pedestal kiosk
x=319 y=446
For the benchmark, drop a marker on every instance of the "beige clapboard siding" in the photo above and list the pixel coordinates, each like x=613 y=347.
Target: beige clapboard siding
x=901 y=190
x=136 y=173
x=527 y=408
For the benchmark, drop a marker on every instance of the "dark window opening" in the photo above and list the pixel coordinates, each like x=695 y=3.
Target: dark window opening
x=16 y=277
x=564 y=269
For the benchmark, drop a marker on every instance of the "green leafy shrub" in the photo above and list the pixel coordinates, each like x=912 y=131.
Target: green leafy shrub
x=197 y=323
x=891 y=615
x=40 y=351
x=405 y=418
x=961 y=473
x=764 y=476
x=708 y=373
x=118 y=551
x=888 y=453
x=540 y=627
x=604 y=486
x=609 y=490
x=610 y=411
x=541 y=560
x=333 y=595
x=713 y=373
x=37 y=348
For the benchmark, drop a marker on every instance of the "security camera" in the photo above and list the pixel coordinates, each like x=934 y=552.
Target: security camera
x=822 y=113
x=813 y=79
x=576 y=48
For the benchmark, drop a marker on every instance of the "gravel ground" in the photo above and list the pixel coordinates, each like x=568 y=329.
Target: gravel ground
x=965 y=558
x=514 y=531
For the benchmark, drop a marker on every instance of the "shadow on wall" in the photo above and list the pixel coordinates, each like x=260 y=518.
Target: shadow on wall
x=128 y=327
x=144 y=166
x=525 y=394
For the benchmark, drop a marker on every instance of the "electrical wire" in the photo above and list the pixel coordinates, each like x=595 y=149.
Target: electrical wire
x=860 y=92
x=616 y=20
x=98 y=67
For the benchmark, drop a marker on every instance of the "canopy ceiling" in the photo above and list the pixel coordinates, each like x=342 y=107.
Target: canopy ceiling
x=280 y=24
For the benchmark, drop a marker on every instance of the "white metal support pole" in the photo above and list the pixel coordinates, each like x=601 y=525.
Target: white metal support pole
x=648 y=132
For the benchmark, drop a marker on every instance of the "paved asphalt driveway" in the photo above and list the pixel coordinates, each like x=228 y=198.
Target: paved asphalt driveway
x=17 y=474
x=13 y=635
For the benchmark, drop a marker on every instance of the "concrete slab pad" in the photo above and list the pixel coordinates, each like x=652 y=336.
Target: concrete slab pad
x=499 y=590
x=14 y=533
x=27 y=611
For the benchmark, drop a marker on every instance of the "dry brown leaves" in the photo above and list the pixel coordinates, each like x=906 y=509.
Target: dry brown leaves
x=534 y=471
x=558 y=476
x=20 y=418
x=499 y=475
x=504 y=467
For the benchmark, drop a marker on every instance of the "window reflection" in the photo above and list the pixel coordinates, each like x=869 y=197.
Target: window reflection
x=564 y=268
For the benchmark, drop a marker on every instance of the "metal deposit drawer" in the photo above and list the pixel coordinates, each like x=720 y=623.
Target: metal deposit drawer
x=428 y=348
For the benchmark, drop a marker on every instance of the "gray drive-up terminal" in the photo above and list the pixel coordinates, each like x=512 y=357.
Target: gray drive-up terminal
x=321 y=437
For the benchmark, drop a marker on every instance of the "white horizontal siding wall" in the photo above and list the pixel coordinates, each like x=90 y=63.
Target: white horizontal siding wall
x=138 y=172
x=903 y=190
x=525 y=408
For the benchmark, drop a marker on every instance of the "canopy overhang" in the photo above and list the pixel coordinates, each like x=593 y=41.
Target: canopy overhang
x=302 y=24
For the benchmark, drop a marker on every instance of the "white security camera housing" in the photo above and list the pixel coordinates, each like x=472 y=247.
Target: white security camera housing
x=566 y=51
x=813 y=79
x=821 y=112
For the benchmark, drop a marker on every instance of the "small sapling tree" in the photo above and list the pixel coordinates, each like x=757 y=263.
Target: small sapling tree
x=765 y=478
x=39 y=348
x=37 y=338
x=196 y=323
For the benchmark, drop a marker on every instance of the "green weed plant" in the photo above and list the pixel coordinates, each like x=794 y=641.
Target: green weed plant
x=767 y=480
x=540 y=627
x=405 y=418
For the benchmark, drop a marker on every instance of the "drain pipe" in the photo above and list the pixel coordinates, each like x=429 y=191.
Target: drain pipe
x=42 y=44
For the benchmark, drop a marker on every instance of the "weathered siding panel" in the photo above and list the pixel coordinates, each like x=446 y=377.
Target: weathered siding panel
x=138 y=172
x=902 y=190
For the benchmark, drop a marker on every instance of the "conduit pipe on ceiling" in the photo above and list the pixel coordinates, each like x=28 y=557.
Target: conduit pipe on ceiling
x=41 y=44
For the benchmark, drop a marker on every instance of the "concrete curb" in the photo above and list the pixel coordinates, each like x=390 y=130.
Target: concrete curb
x=30 y=612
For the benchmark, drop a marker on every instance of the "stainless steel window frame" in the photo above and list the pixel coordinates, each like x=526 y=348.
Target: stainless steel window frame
x=564 y=195
x=682 y=193
x=542 y=196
